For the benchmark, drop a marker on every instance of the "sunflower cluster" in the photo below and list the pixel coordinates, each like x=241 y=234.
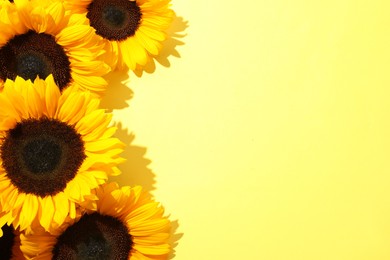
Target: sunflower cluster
x=57 y=146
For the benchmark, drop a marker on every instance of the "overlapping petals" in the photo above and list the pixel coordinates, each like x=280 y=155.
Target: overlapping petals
x=42 y=99
x=143 y=217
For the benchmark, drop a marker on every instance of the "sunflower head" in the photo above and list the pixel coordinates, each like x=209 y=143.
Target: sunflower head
x=126 y=224
x=54 y=149
x=133 y=31
x=40 y=37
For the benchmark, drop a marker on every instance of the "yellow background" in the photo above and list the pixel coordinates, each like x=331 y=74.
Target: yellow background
x=264 y=129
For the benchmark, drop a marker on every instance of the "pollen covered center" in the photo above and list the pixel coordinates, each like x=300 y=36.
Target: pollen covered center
x=40 y=156
x=94 y=237
x=31 y=64
x=94 y=247
x=31 y=55
x=114 y=16
x=114 y=20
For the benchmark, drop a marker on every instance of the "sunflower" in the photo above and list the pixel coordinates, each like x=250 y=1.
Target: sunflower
x=133 y=30
x=126 y=224
x=39 y=38
x=54 y=149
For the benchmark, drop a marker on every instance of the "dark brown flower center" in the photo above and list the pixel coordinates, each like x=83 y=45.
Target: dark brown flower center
x=34 y=54
x=6 y=242
x=40 y=156
x=114 y=20
x=94 y=237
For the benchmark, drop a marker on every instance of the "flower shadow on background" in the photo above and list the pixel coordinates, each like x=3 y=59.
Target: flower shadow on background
x=118 y=93
x=174 y=238
x=174 y=33
x=136 y=171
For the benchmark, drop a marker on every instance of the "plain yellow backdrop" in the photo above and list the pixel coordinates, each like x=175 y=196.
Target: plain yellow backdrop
x=263 y=129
